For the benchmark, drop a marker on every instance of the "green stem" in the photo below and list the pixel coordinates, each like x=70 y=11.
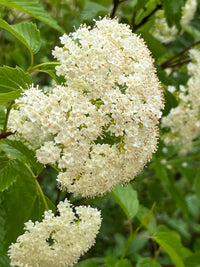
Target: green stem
x=130 y=240
x=32 y=63
x=42 y=65
x=42 y=195
x=7 y=115
x=39 y=190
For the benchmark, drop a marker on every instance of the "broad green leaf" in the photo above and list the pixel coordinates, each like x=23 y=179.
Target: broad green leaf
x=4 y=259
x=141 y=3
x=193 y=31
x=170 y=102
x=147 y=219
x=2 y=116
x=123 y=263
x=34 y=9
x=26 y=32
x=147 y=262
x=155 y=46
x=144 y=12
x=170 y=241
x=193 y=260
x=127 y=199
x=91 y=9
x=9 y=169
x=18 y=150
x=110 y=261
x=196 y=185
x=23 y=201
x=92 y=262
x=12 y=79
x=114 y=262
x=9 y=97
x=173 y=11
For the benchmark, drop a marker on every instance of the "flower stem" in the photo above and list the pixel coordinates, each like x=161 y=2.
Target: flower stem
x=43 y=65
x=39 y=190
x=7 y=115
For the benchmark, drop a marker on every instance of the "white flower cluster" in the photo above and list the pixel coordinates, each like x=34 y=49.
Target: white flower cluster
x=166 y=34
x=57 y=241
x=183 y=121
x=100 y=127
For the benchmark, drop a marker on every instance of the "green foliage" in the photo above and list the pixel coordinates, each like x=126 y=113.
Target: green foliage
x=193 y=260
x=17 y=150
x=147 y=262
x=127 y=199
x=33 y=8
x=170 y=241
x=12 y=80
x=26 y=32
x=9 y=169
x=154 y=220
x=28 y=203
x=173 y=11
x=92 y=9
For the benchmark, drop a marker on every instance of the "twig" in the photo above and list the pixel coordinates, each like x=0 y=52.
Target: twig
x=115 y=6
x=4 y=135
x=166 y=63
x=135 y=27
x=43 y=174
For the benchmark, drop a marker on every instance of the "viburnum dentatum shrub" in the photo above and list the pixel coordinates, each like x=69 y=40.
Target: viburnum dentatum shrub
x=100 y=126
x=57 y=241
x=183 y=121
x=77 y=125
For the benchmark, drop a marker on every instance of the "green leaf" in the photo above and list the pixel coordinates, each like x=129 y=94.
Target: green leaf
x=123 y=263
x=155 y=46
x=114 y=262
x=12 y=79
x=196 y=184
x=34 y=9
x=2 y=116
x=147 y=219
x=88 y=263
x=91 y=9
x=170 y=102
x=9 y=97
x=173 y=11
x=18 y=150
x=193 y=260
x=26 y=32
x=4 y=259
x=127 y=199
x=147 y=262
x=23 y=201
x=9 y=169
x=193 y=31
x=170 y=241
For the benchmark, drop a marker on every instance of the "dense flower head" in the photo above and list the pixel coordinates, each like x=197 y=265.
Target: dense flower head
x=57 y=241
x=100 y=127
x=161 y=29
x=183 y=121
